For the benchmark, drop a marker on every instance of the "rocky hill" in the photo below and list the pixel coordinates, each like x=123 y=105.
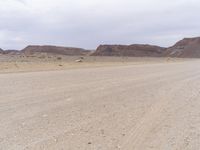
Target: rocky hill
x=12 y=52
x=32 y=49
x=186 y=48
x=137 y=50
x=1 y=51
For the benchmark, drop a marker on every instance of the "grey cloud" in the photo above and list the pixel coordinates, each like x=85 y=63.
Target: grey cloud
x=89 y=23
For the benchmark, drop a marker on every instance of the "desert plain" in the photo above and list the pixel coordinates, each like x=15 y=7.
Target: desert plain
x=101 y=103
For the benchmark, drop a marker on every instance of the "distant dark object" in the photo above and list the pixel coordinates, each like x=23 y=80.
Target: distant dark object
x=42 y=57
x=81 y=58
x=59 y=58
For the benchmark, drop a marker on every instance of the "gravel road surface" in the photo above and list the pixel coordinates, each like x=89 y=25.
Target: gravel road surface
x=133 y=107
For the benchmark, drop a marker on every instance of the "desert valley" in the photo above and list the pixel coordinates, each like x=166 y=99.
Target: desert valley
x=117 y=97
x=99 y=75
x=35 y=57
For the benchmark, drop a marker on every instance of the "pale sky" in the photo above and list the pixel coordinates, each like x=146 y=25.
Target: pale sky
x=89 y=23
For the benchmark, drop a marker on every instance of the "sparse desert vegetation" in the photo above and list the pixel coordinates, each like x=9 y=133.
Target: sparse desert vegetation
x=44 y=62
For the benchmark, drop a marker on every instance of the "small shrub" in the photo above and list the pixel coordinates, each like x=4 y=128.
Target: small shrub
x=59 y=58
x=41 y=57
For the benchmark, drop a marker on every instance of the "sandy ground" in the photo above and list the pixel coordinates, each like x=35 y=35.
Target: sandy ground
x=17 y=63
x=152 y=106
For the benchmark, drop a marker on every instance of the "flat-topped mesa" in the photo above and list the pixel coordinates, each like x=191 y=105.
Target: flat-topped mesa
x=32 y=49
x=137 y=50
x=186 y=48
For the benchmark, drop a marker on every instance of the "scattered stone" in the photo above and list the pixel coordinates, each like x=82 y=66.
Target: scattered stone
x=44 y=116
x=79 y=60
x=118 y=147
x=23 y=124
x=89 y=143
x=55 y=139
x=102 y=131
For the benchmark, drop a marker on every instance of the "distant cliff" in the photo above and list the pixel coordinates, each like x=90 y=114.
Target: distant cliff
x=54 y=50
x=186 y=48
x=137 y=50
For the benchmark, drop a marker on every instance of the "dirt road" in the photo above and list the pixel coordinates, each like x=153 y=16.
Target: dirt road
x=136 y=107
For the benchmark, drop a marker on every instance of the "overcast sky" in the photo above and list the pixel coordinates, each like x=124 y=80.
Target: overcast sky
x=88 y=23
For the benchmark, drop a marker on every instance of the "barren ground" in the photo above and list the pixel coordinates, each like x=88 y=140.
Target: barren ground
x=148 y=106
x=45 y=62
